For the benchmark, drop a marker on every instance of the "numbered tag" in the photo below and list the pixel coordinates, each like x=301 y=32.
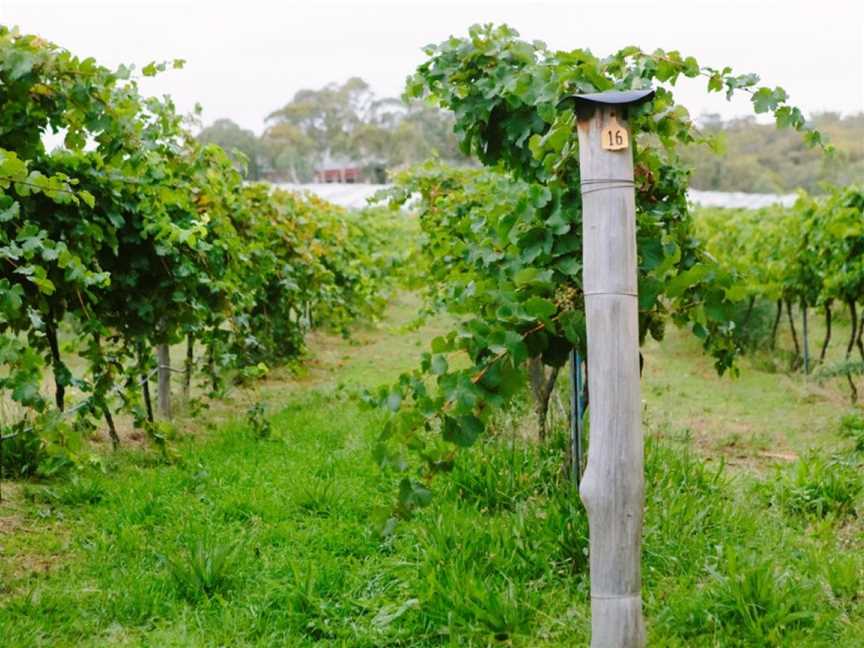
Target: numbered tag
x=614 y=137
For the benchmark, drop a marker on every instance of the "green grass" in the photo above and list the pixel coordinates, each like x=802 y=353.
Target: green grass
x=765 y=414
x=253 y=539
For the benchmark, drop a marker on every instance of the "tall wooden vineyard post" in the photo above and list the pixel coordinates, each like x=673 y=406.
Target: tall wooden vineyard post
x=613 y=487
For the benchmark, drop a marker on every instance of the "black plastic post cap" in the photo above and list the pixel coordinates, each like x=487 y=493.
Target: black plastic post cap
x=611 y=98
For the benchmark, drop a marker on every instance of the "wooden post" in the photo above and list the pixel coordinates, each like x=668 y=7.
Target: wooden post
x=189 y=367
x=2 y=439
x=613 y=486
x=805 y=339
x=163 y=357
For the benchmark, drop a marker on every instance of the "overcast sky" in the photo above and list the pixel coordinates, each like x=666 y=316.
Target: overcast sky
x=246 y=58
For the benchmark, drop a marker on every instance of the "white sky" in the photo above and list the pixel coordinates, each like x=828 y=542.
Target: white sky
x=246 y=58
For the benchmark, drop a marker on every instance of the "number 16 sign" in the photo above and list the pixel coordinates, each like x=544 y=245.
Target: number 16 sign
x=614 y=135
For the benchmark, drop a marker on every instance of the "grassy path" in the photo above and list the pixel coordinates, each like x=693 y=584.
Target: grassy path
x=760 y=416
x=244 y=541
x=113 y=543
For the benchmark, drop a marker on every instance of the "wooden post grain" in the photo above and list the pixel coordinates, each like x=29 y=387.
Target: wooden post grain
x=613 y=487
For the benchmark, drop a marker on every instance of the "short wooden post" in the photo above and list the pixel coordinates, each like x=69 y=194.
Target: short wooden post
x=163 y=357
x=2 y=439
x=613 y=486
x=806 y=338
x=189 y=366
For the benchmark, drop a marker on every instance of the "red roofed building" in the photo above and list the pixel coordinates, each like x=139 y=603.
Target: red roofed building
x=338 y=169
x=345 y=170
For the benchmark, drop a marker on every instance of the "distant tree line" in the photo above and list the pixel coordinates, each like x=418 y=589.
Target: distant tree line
x=761 y=158
x=348 y=121
x=344 y=121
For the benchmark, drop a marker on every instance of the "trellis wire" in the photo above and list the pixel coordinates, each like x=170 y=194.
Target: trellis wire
x=72 y=410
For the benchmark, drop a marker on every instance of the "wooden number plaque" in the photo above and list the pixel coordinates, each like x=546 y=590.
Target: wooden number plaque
x=614 y=136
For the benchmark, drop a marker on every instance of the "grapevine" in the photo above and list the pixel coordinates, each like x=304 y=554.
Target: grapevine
x=501 y=243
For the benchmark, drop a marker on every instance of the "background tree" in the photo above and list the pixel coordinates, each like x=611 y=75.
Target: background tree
x=327 y=116
x=349 y=120
x=289 y=152
x=761 y=158
x=233 y=139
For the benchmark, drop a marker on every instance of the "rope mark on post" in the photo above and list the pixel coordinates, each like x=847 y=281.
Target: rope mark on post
x=605 y=184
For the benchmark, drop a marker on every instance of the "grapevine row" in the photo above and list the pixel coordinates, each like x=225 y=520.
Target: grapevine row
x=809 y=256
x=129 y=235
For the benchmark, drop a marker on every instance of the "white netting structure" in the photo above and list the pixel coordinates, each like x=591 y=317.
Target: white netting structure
x=355 y=196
